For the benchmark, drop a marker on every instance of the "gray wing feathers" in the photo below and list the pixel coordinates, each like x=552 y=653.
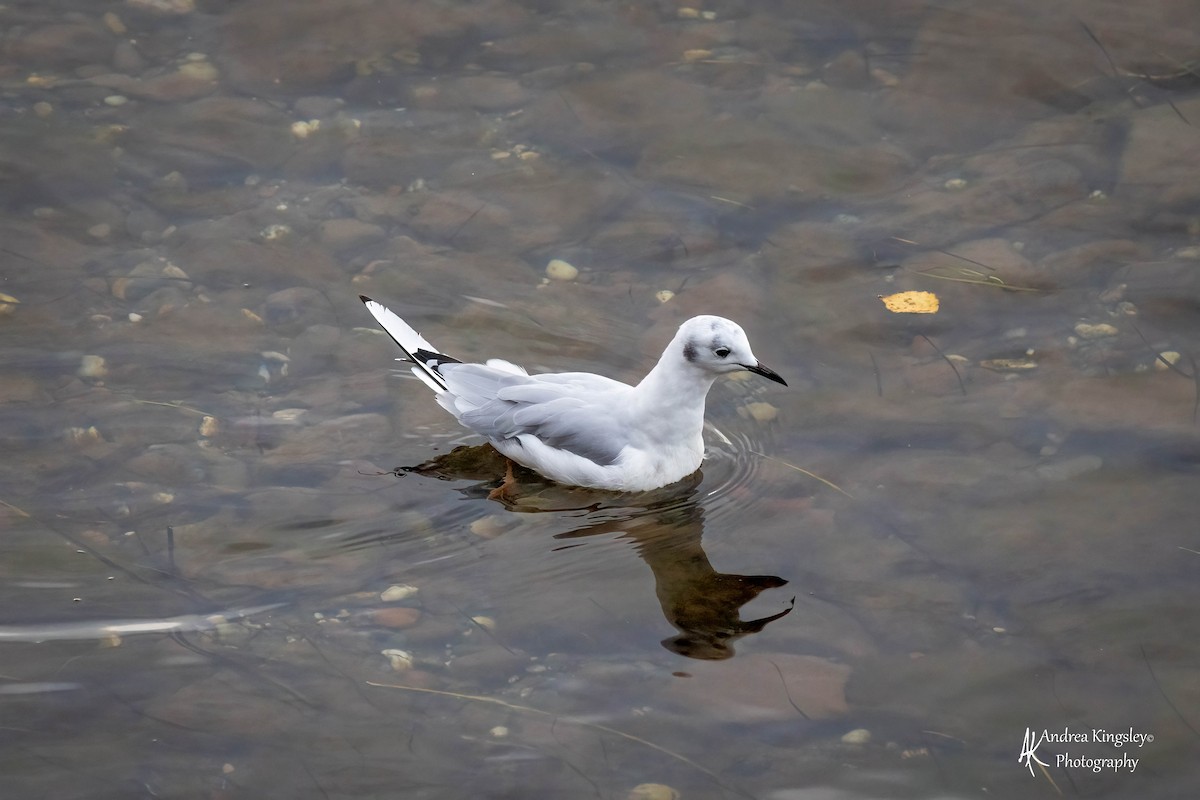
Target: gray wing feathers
x=506 y=366
x=502 y=405
x=501 y=401
x=475 y=385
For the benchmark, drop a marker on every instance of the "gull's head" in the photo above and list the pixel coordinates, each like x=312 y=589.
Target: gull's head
x=720 y=346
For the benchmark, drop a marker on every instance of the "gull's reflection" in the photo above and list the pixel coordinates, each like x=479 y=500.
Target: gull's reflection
x=665 y=526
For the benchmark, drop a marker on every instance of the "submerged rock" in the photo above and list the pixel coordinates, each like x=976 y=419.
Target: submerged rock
x=210 y=136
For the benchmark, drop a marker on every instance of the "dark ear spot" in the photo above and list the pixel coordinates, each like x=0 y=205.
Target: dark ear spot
x=689 y=351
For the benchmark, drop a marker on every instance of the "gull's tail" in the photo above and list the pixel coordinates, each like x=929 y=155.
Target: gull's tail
x=425 y=358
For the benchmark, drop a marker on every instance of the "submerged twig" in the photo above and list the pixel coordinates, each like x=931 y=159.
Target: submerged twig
x=19 y=512
x=731 y=202
x=1112 y=64
x=1194 y=377
x=976 y=278
x=787 y=692
x=1162 y=692
x=965 y=274
x=878 y=377
x=1046 y=772
x=1196 y=381
x=483 y=628
x=812 y=475
x=556 y=717
x=180 y=406
x=1178 y=113
x=467 y=221
x=962 y=386
x=171 y=565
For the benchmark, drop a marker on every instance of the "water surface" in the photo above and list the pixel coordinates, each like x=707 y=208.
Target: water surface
x=245 y=558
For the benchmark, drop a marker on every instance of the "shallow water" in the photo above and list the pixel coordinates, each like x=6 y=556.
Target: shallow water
x=244 y=558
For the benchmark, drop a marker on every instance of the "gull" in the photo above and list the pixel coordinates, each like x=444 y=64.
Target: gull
x=583 y=429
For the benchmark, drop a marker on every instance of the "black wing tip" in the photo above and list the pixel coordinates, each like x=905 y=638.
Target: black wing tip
x=365 y=299
x=435 y=359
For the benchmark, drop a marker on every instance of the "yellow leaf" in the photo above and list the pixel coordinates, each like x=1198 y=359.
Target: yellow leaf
x=911 y=303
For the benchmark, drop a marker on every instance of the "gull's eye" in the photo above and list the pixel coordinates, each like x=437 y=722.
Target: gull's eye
x=721 y=352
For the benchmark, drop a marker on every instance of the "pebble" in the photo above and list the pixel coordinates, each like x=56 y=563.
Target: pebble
x=115 y=100
x=164 y=6
x=101 y=231
x=291 y=416
x=92 y=367
x=400 y=660
x=304 y=129
x=84 y=436
x=955 y=184
x=487 y=623
x=759 y=412
x=664 y=295
x=143 y=279
x=559 y=270
x=399 y=591
x=488 y=527
x=199 y=69
x=884 y=78
x=114 y=23
x=173 y=181
x=1008 y=364
x=126 y=58
x=653 y=791
x=1087 y=330
x=499 y=732
x=1171 y=357
x=856 y=736
x=209 y=426
x=43 y=109
x=397 y=618
x=172 y=271
x=275 y=233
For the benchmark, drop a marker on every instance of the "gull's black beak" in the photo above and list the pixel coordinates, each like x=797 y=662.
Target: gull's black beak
x=762 y=369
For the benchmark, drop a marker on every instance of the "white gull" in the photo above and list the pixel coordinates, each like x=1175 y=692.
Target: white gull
x=583 y=429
